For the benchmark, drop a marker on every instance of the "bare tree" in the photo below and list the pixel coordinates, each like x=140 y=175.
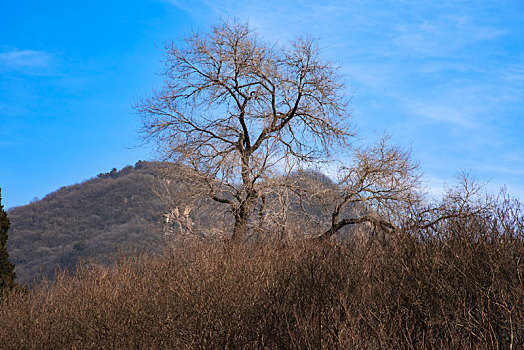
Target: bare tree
x=465 y=200
x=384 y=179
x=239 y=113
x=377 y=185
x=236 y=116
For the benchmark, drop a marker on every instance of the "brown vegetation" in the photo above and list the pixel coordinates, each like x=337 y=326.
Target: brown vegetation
x=460 y=286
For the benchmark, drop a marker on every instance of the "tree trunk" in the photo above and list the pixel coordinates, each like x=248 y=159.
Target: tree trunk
x=242 y=214
x=240 y=229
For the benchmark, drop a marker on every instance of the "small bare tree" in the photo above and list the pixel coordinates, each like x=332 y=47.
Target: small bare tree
x=376 y=185
x=238 y=113
x=384 y=180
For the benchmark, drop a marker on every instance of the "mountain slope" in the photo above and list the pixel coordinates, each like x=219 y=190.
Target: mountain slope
x=87 y=220
x=121 y=209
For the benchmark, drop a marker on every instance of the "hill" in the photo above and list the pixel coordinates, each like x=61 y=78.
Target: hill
x=123 y=209
x=91 y=219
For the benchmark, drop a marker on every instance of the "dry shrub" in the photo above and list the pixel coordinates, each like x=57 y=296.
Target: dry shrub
x=459 y=288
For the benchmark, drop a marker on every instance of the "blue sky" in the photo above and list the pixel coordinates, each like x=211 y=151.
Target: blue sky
x=445 y=78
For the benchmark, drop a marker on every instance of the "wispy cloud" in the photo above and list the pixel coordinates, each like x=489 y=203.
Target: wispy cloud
x=27 y=61
x=196 y=9
x=515 y=73
x=25 y=58
x=441 y=36
x=454 y=115
x=447 y=75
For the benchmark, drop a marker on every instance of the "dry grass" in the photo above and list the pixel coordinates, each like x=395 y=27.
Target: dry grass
x=462 y=289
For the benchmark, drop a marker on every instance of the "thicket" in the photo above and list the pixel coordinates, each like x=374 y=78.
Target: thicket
x=459 y=287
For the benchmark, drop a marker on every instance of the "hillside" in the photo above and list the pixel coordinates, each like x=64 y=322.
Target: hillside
x=91 y=219
x=120 y=210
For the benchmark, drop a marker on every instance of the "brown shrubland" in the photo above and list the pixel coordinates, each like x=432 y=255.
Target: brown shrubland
x=459 y=285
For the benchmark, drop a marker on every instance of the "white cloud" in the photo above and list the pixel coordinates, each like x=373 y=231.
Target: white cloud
x=30 y=62
x=443 y=112
x=197 y=9
x=442 y=36
x=448 y=69
x=515 y=73
x=25 y=58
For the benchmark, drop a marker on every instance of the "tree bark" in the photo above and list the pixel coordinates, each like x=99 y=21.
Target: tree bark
x=242 y=214
x=239 y=230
